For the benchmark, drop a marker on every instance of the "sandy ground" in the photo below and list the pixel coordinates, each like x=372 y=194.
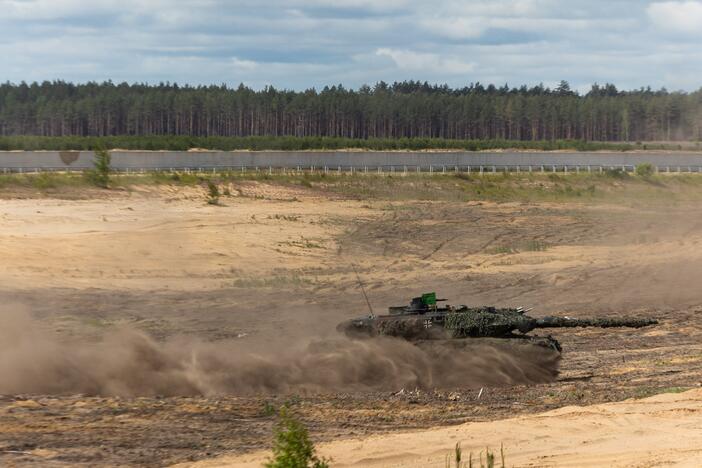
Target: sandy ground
x=664 y=430
x=273 y=267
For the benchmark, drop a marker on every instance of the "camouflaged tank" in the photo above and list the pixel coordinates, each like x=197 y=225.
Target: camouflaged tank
x=423 y=319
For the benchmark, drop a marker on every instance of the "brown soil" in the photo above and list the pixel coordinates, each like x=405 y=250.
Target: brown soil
x=273 y=267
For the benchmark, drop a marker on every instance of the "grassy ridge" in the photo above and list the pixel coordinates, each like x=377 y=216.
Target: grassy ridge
x=184 y=143
x=609 y=187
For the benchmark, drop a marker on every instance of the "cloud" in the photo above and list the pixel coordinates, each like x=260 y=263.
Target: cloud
x=304 y=43
x=678 y=17
x=417 y=61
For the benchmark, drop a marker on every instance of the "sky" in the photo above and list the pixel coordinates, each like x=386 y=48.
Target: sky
x=300 y=44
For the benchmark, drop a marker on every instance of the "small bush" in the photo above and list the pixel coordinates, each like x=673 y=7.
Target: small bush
x=268 y=409
x=100 y=174
x=212 y=193
x=644 y=170
x=292 y=446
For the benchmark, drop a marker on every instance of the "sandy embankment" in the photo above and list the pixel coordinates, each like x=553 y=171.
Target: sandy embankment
x=664 y=430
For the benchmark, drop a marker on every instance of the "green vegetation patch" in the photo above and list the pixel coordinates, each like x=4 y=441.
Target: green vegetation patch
x=290 y=143
x=292 y=447
x=607 y=187
x=645 y=392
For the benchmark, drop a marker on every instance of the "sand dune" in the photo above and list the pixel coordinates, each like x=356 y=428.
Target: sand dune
x=664 y=430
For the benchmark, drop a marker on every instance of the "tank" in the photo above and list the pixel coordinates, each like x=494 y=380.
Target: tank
x=424 y=319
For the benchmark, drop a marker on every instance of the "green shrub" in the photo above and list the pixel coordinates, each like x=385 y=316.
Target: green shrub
x=644 y=170
x=212 y=193
x=292 y=446
x=100 y=174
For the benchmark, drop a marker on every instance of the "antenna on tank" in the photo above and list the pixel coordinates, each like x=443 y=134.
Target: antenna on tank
x=363 y=290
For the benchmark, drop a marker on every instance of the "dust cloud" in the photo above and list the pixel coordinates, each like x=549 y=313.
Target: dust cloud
x=127 y=362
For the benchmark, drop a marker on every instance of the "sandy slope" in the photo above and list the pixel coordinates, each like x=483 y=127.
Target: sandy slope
x=664 y=430
x=167 y=263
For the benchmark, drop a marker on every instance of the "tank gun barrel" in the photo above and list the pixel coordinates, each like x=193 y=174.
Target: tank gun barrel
x=569 y=322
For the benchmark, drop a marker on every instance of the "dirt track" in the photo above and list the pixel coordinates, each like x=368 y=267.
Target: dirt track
x=274 y=267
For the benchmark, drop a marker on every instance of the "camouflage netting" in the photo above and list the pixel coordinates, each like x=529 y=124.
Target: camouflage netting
x=605 y=322
x=410 y=329
x=486 y=322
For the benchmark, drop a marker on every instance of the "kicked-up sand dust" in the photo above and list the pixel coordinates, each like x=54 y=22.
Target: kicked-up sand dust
x=129 y=363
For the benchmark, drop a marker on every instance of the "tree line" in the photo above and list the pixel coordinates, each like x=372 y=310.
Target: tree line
x=402 y=110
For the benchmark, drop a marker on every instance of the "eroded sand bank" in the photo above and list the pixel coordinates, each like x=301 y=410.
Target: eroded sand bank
x=664 y=430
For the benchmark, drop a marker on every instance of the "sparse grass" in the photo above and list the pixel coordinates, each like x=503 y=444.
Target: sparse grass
x=43 y=181
x=534 y=246
x=292 y=218
x=276 y=281
x=486 y=459
x=530 y=246
x=268 y=409
x=612 y=186
x=645 y=392
x=303 y=243
x=501 y=250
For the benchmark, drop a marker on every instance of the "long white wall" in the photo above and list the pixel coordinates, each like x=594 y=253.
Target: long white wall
x=74 y=160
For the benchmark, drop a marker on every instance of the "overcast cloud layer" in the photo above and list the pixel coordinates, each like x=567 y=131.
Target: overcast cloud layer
x=299 y=44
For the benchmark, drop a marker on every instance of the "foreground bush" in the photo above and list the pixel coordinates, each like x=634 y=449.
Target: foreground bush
x=644 y=170
x=292 y=446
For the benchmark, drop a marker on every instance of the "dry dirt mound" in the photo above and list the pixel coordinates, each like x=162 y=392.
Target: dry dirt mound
x=660 y=431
